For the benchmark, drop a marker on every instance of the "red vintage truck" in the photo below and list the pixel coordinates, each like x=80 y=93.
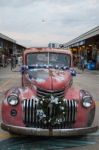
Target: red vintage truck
x=48 y=104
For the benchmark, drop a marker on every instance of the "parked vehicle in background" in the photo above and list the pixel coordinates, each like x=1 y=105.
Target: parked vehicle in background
x=48 y=104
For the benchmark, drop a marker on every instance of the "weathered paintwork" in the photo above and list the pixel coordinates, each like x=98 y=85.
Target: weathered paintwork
x=49 y=79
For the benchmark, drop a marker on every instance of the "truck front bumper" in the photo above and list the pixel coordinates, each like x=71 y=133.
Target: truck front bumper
x=48 y=132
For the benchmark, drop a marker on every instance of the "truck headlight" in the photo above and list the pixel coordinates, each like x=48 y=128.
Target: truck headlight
x=13 y=100
x=87 y=101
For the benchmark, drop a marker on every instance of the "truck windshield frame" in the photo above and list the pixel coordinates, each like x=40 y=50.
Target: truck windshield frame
x=48 y=58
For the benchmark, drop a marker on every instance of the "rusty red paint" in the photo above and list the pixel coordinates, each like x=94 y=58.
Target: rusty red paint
x=50 y=80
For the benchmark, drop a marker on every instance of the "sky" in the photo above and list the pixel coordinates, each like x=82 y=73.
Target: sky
x=35 y=23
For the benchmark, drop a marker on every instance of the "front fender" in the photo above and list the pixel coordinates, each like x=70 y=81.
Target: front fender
x=13 y=115
x=84 y=116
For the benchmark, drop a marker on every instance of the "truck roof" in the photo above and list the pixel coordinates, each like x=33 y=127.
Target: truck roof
x=31 y=50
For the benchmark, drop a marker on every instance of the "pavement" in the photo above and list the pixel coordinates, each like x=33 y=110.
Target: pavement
x=8 y=78
x=4 y=70
x=86 y=71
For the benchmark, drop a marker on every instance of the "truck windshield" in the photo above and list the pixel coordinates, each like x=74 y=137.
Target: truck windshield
x=49 y=58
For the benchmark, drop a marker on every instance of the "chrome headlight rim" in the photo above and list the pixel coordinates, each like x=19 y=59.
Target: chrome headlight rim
x=87 y=101
x=13 y=100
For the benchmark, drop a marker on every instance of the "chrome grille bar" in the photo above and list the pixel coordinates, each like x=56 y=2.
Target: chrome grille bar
x=71 y=109
x=29 y=111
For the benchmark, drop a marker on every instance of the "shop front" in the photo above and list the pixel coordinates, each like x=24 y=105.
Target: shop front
x=87 y=46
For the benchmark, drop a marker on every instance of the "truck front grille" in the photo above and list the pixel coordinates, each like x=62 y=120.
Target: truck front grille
x=45 y=93
x=30 y=118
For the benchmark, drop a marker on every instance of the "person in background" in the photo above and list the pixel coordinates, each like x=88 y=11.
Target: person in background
x=12 y=62
x=0 y=60
x=3 y=60
x=82 y=63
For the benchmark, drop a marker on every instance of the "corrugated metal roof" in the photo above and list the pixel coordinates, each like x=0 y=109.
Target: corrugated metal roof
x=6 y=38
x=91 y=33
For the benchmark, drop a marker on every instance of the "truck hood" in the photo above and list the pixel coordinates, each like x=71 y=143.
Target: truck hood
x=49 y=79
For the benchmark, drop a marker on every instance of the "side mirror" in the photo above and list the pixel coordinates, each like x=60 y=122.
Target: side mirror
x=73 y=72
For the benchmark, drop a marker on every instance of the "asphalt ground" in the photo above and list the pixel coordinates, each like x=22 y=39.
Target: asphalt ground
x=88 y=80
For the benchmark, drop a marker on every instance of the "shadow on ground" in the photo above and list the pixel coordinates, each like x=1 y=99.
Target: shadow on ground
x=35 y=143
